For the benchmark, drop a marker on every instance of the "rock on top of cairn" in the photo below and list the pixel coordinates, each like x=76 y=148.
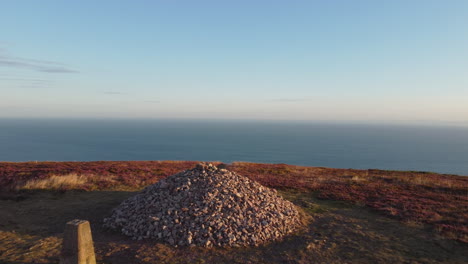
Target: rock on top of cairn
x=206 y=206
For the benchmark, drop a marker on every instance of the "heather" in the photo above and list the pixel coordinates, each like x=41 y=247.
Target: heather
x=103 y=174
x=437 y=200
x=418 y=197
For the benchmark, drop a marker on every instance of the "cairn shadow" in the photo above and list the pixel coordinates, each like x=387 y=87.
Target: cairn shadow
x=45 y=212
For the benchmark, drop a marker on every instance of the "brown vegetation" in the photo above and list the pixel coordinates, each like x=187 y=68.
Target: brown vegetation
x=419 y=197
x=54 y=182
x=32 y=230
x=32 y=220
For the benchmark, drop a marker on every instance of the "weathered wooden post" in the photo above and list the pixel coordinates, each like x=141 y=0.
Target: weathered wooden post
x=77 y=245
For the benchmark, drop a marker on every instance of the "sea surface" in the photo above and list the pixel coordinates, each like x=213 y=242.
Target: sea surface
x=395 y=147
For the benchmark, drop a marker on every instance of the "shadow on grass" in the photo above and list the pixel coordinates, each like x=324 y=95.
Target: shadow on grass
x=32 y=223
x=44 y=212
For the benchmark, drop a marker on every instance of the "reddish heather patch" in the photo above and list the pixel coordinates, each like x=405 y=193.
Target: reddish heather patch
x=128 y=173
x=429 y=198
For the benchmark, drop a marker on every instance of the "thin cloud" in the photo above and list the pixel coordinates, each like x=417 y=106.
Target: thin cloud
x=152 y=101
x=34 y=85
x=25 y=80
x=58 y=70
x=290 y=100
x=35 y=65
x=113 y=93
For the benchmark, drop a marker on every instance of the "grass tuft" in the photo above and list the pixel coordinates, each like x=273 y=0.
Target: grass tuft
x=55 y=182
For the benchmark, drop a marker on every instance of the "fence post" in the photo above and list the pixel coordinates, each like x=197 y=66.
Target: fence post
x=77 y=245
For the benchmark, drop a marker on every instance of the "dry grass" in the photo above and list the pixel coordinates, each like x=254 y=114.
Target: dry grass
x=55 y=182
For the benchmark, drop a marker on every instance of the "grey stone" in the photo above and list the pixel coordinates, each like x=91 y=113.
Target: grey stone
x=206 y=206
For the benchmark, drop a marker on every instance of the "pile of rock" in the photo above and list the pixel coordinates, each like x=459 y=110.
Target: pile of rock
x=206 y=206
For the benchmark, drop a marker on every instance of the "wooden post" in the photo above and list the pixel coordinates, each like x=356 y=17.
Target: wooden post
x=77 y=245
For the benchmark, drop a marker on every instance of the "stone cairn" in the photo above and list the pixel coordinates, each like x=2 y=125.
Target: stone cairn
x=206 y=206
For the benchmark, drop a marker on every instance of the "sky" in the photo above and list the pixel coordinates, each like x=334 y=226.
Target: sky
x=354 y=61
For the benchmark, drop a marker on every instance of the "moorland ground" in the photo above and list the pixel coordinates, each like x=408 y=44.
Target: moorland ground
x=359 y=216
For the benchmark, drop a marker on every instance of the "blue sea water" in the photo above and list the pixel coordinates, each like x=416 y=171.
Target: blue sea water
x=397 y=147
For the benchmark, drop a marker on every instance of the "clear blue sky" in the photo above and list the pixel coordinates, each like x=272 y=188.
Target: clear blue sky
x=396 y=60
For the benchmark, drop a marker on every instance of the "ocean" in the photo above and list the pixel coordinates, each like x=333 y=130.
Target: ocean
x=392 y=147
